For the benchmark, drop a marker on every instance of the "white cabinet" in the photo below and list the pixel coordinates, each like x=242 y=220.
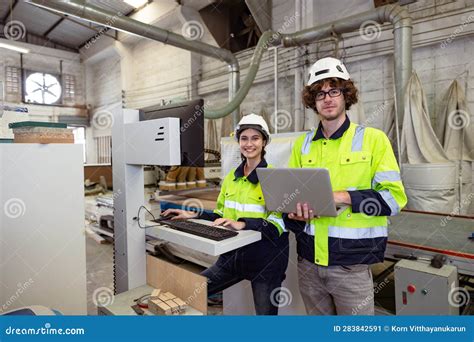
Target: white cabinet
x=42 y=239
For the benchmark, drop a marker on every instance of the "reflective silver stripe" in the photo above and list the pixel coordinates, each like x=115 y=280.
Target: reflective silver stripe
x=388 y=198
x=385 y=176
x=279 y=222
x=307 y=142
x=219 y=212
x=253 y=208
x=358 y=139
x=309 y=229
x=352 y=188
x=351 y=233
x=357 y=233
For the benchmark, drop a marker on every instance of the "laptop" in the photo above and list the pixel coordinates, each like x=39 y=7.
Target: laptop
x=283 y=188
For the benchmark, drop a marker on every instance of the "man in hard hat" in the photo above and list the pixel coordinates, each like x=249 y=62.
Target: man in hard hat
x=335 y=253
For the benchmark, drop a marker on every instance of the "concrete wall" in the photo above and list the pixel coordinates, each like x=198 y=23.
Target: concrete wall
x=442 y=41
x=42 y=59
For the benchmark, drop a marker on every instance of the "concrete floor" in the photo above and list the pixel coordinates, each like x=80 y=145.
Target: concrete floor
x=99 y=263
x=99 y=260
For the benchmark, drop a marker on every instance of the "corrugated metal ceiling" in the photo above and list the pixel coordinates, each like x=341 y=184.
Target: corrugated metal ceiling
x=68 y=32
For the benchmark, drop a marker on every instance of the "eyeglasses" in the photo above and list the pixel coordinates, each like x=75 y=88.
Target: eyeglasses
x=321 y=95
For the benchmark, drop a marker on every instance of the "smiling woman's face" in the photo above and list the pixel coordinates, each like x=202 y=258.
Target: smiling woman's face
x=251 y=143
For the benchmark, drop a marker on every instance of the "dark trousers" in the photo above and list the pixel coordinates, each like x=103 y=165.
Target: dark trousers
x=265 y=290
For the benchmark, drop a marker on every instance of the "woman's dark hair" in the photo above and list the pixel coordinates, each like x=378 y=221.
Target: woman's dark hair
x=349 y=91
x=262 y=154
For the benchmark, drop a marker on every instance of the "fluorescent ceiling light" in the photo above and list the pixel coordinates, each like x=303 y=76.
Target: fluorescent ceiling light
x=14 y=48
x=136 y=3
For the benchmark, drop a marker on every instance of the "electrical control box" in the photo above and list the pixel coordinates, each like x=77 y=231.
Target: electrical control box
x=421 y=289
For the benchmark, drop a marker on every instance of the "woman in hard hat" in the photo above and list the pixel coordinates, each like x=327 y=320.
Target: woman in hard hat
x=241 y=206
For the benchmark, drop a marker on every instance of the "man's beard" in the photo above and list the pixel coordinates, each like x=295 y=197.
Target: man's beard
x=332 y=118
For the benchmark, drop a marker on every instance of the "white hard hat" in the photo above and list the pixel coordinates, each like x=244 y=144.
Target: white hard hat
x=252 y=121
x=327 y=68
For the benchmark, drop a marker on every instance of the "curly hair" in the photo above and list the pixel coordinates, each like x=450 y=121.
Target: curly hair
x=350 y=92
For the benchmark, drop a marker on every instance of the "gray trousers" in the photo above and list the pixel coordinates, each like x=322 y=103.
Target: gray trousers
x=336 y=290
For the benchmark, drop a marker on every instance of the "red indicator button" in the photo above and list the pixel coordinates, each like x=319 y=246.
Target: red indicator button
x=411 y=288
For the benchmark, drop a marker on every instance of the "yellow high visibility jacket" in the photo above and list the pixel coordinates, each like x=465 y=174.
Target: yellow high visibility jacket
x=241 y=198
x=361 y=161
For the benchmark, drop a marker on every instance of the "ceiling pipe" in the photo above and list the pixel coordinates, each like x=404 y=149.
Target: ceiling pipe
x=402 y=29
x=299 y=78
x=83 y=10
x=396 y=15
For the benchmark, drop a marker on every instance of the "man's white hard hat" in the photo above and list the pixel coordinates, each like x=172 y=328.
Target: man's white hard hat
x=328 y=67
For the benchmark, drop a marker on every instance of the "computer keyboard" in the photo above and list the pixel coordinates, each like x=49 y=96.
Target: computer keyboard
x=198 y=229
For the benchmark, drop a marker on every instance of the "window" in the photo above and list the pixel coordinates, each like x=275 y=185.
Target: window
x=80 y=138
x=69 y=85
x=104 y=152
x=12 y=80
x=12 y=84
x=42 y=88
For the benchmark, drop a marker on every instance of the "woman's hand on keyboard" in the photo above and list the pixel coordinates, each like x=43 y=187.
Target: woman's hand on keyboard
x=237 y=225
x=177 y=214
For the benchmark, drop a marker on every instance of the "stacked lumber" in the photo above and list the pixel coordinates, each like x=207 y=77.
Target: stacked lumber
x=165 y=303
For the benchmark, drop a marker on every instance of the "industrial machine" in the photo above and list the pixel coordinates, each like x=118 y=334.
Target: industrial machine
x=435 y=280
x=151 y=138
x=190 y=138
x=166 y=136
x=421 y=289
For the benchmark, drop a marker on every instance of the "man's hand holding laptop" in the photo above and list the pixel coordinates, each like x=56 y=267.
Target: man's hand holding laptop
x=304 y=213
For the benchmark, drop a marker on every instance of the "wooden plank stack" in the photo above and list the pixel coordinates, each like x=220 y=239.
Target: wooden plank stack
x=31 y=132
x=165 y=303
